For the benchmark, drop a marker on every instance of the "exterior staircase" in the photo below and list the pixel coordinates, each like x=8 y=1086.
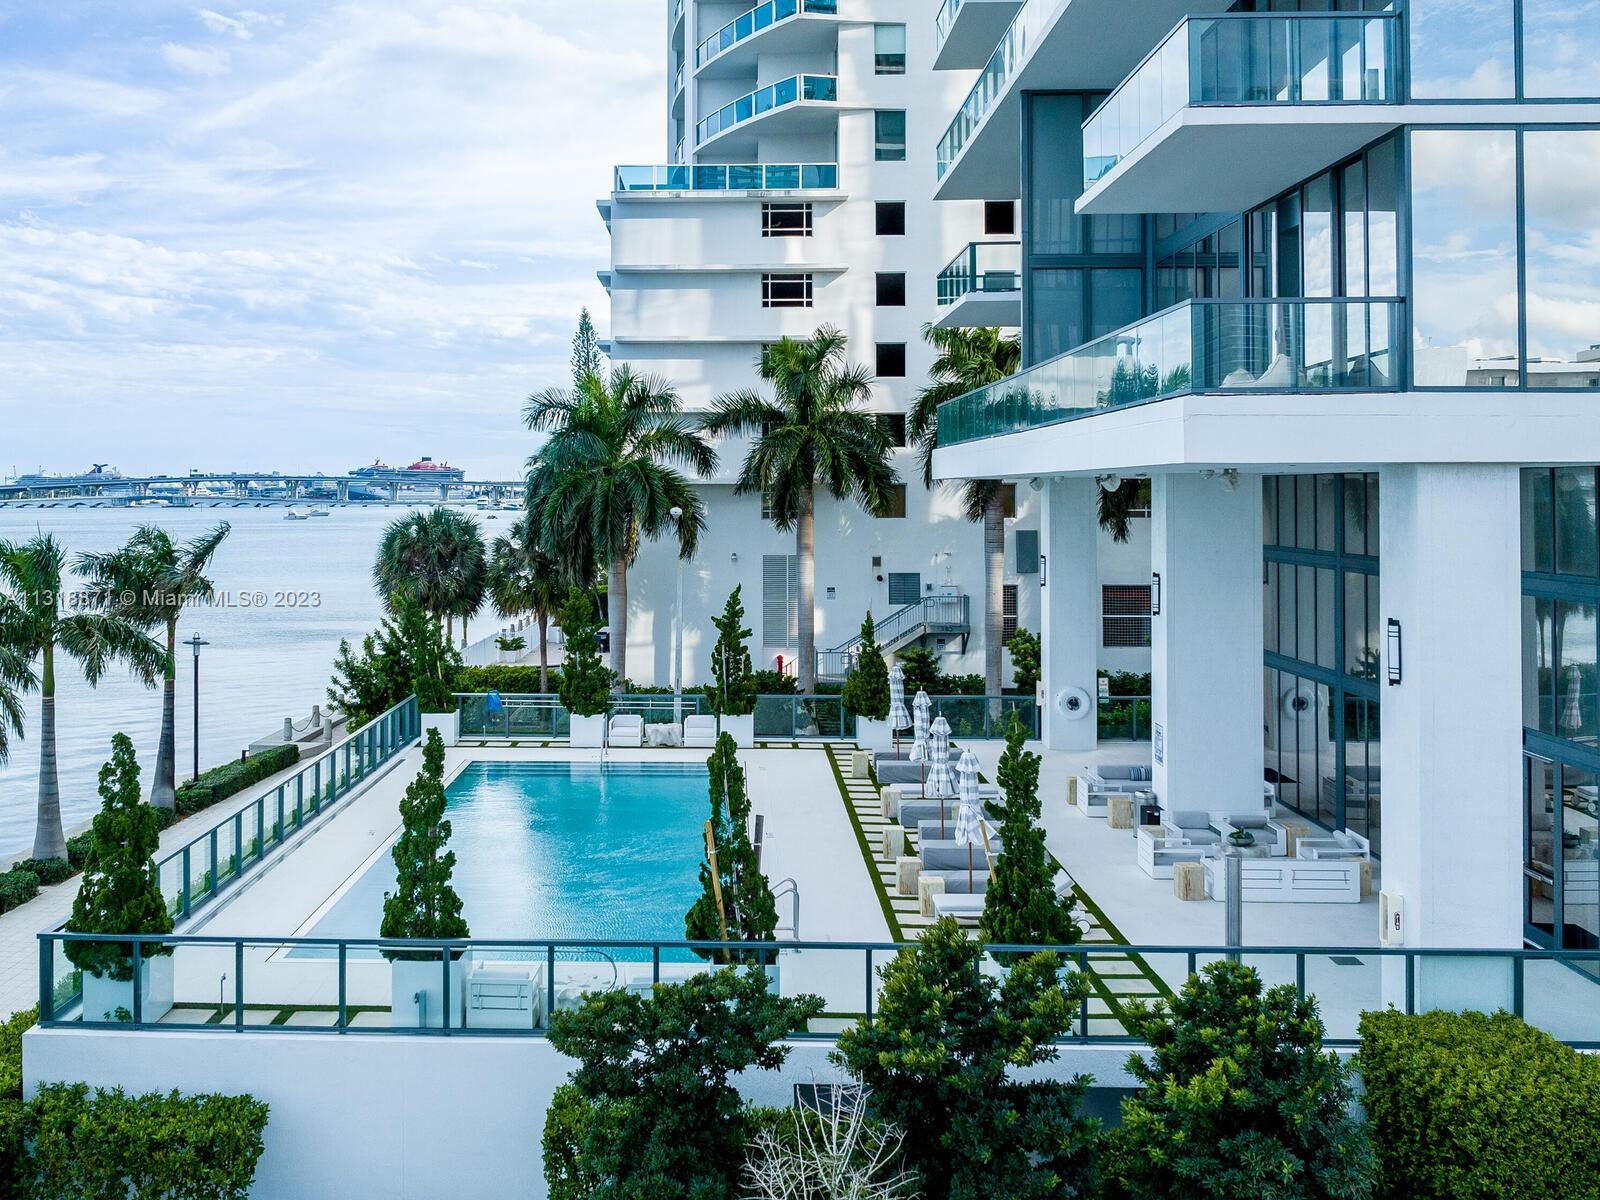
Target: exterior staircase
x=944 y=614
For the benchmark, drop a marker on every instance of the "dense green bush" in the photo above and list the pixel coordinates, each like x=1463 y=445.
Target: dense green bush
x=78 y=849
x=1127 y=683
x=17 y=887
x=921 y=668
x=217 y=784
x=13 y=1113
x=96 y=1144
x=732 y=690
x=775 y=683
x=1463 y=1104
x=423 y=903
x=506 y=678
x=866 y=690
x=585 y=681
x=11 y=1054
x=50 y=871
x=1237 y=1099
x=1025 y=660
x=1020 y=907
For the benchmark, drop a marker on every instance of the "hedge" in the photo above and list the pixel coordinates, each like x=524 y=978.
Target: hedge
x=1463 y=1104
x=13 y=1113
x=17 y=887
x=506 y=678
x=210 y=787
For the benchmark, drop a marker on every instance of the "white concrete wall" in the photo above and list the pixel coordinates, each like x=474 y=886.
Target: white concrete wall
x=1071 y=604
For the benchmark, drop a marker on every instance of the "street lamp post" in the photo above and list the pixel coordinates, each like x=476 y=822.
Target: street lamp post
x=194 y=644
x=677 y=634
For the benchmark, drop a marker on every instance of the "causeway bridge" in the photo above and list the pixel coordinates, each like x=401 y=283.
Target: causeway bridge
x=263 y=486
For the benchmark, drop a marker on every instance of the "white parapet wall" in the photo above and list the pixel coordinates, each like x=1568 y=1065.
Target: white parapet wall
x=396 y=1116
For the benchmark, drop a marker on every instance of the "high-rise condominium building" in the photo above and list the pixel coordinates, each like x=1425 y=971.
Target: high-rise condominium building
x=799 y=193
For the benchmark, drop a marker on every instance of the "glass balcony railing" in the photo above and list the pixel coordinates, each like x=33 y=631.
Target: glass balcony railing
x=941 y=23
x=1246 y=59
x=1219 y=346
x=991 y=83
x=762 y=16
x=727 y=177
x=982 y=267
x=775 y=95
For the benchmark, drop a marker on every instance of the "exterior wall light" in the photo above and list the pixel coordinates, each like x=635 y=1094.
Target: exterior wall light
x=1044 y=562
x=1391 y=637
x=1155 y=594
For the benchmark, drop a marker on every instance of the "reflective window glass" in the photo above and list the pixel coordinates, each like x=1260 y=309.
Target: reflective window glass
x=1561 y=195
x=1560 y=47
x=1575 y=672
x=1115 y=299
x=1383 y=194
x=1055 y=316
x=1461 y=49
x=1576 y=550
x=1353 y=200
x=1316 y=237
x=1580 y=891
x=1538 y=521
x=1538 y=664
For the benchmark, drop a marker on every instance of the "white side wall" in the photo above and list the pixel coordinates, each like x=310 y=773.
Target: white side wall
x=1071 y=603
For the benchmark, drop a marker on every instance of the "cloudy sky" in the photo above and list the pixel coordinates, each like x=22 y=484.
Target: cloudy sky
x=304 y=234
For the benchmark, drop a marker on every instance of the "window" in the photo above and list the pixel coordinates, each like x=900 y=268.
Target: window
x=1008 y=613
x=905 y=587
x=780 y=600
x=888 y=49
x=785 y=291
x=999 y=216
x=1125 y=614
x=891 y=289
x=896 y=506
x=1027 y=552
x=891 y=360
x=894 y=428
x=786 y=220
x=1008 y=501
x=889 y=135
x=891 y=218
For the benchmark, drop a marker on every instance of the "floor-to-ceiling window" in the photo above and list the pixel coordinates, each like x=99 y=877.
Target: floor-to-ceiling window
x=1561 y=706
x=1321 y=720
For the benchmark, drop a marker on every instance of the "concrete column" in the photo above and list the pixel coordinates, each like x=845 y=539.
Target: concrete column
x=1069 y=607
x=1449 y=553
x=1206 y=704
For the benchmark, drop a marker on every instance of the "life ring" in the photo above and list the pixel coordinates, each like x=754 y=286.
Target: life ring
x=1300 y=701
x=1074 y=703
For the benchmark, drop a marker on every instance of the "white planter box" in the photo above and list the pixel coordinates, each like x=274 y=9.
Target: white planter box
x=589 y=732
x=102 y=997
x=445 y=723
x=873 y=735
x=741 y=729
x=410 y=979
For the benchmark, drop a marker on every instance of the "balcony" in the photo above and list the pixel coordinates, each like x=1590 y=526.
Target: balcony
x=725 y=178
x=1276 y=97
x=981 y=287
x=1228 y=347
x=734 y=47
x=800 y=103
x=967 y=31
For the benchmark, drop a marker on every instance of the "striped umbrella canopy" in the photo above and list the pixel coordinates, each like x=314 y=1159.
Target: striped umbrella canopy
x=921 y=706
x=899 y=718
x=940 y=781
x=969 y=815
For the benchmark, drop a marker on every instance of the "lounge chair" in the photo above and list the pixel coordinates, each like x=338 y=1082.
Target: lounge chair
x=959 y=881
x=967 y=907
x=952 y=856
x=627 y=729
x=700 y=731
x=1188 y=827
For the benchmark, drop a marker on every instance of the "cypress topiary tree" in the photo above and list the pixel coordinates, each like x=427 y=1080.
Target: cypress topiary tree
x=1021 y=907
x=866 y=691
x=1025 y=650
x=1238 y=1099
x=585 y=683
x=120 y=892
x=423 y=904
x=747 y=902
x=431 y=659
x=732 y=692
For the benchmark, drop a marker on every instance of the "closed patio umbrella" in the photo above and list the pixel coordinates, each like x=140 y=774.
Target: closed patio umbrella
x=899 y=718
x=921 y=706
x=969 y=814
x=939 y=783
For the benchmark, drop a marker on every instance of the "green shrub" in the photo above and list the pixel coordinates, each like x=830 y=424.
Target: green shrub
x=423 y=904
x=775 y=683
x=217 y=784
x=585 y=682
x=50 y=871
x=732 y=691
x=152 y=1147
x=11 y=1054
x=748 y=912
x=1025 y=660
x=1020 y=907
x=1463 y=1104
x=866 y=690
x=1127 y=683
x=506 y=678
x=78 y=849
x=14 y=1121
x=17 y=887
x=921 y=668
x=1237 y=1099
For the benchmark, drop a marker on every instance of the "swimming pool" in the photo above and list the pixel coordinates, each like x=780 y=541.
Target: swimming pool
x=559 y=850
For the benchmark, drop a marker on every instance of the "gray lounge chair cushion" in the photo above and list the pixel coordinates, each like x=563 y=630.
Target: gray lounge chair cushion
x=947 y=856
x=956 y=881
x=913 y=812
x=898 y=772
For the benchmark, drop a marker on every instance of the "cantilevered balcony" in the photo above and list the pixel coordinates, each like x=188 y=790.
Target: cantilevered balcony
x=1245 y=347
x=982 y=286
x=798 y=104
x=1229 y=110
x=778 y=26
x=967 y=31
x=725 y=178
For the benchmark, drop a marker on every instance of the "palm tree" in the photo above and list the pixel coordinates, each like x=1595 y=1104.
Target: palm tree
x=969 y=359
x=607 y=477
x=150 y=581
x=38 y=624
x=811 y=434
x=524 y=579
x=15 y=678
x=437 y=557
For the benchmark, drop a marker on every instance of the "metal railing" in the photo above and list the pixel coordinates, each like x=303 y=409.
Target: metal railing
x=195 y=873
x=1124 y=718
x=981 y=267
x=1014 y=48
x=762 y=16
x=1212 y=345
x=541 y=715
x=323 y=985
x=1246 y=59
x=986 y=716
x=800 y=717
x=725 y=177
x=784 y=92
x=931 y=614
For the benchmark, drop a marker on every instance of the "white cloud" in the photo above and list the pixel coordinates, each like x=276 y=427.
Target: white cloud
x=195 y=60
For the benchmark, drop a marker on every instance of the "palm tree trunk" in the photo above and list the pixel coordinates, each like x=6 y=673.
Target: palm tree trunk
x=617 y=613
x=163 y=784
x=49 y=840
x=805 y=551
x=994 y=574
x=463 y=630
x=449 y=629
x=544 y=652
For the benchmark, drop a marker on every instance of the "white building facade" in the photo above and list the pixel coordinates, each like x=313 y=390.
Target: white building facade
x=1358 y=373
x=799 y=194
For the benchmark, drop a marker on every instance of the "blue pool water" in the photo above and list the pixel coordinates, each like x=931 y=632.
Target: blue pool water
x=560 y=850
